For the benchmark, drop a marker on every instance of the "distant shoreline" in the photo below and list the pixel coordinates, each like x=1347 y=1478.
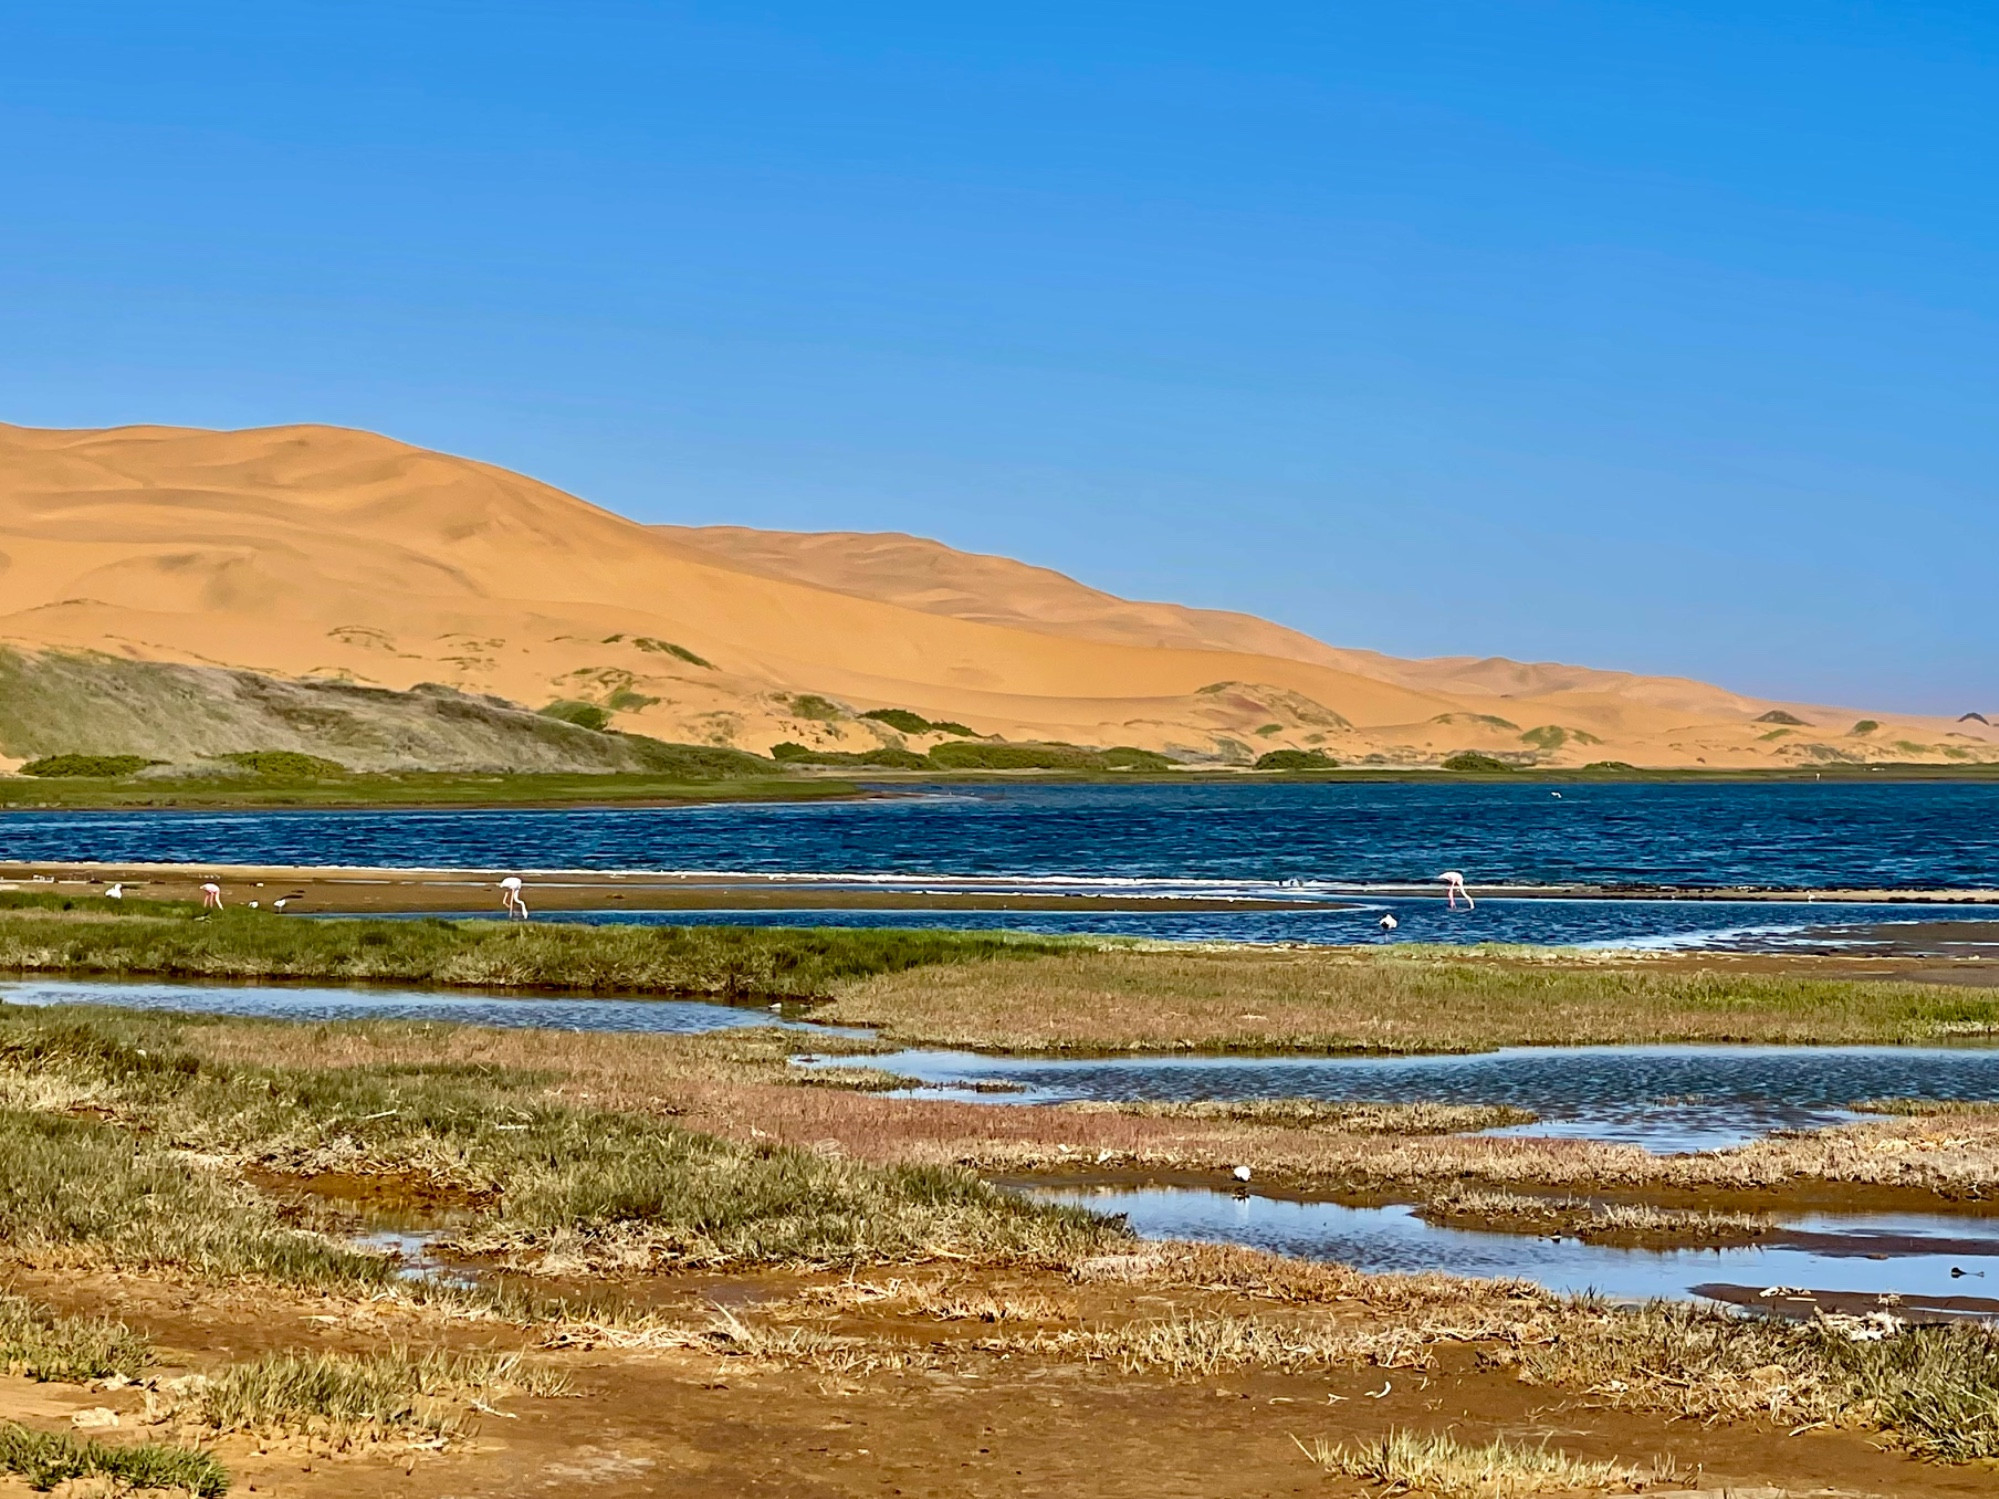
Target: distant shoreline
x=388 y=888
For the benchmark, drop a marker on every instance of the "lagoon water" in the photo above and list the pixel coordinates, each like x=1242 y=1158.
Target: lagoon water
x=1320 y=842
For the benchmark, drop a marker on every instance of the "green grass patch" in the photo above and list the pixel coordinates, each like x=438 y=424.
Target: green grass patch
x=574 y=711
x=571 y=1183
x=95 y=767
x=43 y=1345
x=47 y=1458
x=731 y=963
x=287 y=764
x=814 y=708
x=367 y=1397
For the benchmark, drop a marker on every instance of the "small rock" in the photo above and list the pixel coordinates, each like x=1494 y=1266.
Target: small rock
x=97 y=1418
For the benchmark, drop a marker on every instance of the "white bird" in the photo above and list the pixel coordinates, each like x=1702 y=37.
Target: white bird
x=1454 y=886
x=1241 y=1173
x=253 y=905
x=116 y=892
x=511 y=901
x=1388 y=923
x=211 y=897
x=279 y=903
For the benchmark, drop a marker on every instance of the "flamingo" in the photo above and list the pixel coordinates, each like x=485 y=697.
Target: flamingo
x=116 y=892
x=511 y=902
x=211 y=897
x=1388 y=923
x=1454 y=886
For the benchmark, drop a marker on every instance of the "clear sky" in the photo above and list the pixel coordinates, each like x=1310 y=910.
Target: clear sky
x=1657 y=336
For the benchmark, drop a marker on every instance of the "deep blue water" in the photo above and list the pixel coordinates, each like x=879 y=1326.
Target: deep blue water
x=1795 y=834
x=1326 y=843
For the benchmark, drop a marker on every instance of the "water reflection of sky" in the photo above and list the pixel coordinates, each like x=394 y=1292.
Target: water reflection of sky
x=1394 y=1239
x=1664 y=1098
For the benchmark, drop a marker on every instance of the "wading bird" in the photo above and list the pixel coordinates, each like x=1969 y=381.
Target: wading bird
x=211 y=897
x=116 y=892
x=1388 y=923
x=511 y=901
x=1454 y=886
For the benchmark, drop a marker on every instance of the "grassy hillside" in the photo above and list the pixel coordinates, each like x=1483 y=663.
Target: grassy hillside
x=226 y=721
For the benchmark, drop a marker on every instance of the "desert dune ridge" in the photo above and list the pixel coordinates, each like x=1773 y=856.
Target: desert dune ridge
x=310 y=552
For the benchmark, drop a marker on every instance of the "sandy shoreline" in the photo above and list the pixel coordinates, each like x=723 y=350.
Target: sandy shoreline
x=361 y=888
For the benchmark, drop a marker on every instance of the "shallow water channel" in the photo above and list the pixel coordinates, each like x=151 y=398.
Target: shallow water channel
x=1661 y=1098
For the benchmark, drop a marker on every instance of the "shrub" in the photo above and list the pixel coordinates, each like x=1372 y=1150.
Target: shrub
x=1014 y=757
x=667 y=647
x=1778 y=715
x=583 y=715
x=47 y=1458
x=1130 y=757
x=1866 y=726
x=1471 y=760
x=291 y=765
x=896 y=759
x=87 y=765
x=900 y=718
x=1609 y=765
x=1295 y=759
x=624 y=700
x=695 y=761
x=809 y=705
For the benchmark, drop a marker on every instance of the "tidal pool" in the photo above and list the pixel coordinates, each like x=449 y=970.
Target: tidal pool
x=1667 y=1099
x=1921 y=1258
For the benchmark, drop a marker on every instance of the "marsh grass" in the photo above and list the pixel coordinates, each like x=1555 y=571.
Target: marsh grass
x=1592 y=1221
x=1400 y=1001
x=1360 y=1118
x=563 y=1184
x=40 y=1343
x=733 y=963
x=48 y=1458
x=348 y=1399
x=1406 y=1461
x=1935 y=1388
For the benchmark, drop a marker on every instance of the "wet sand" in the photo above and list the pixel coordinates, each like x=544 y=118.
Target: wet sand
x=311 y=889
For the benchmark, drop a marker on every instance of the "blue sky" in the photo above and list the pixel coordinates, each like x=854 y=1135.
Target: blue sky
x=1657 y=336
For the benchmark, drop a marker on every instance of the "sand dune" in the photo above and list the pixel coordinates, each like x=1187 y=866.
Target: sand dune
x=314 y=551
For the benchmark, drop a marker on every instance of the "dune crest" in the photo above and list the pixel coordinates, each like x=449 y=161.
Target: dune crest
x=323 y=552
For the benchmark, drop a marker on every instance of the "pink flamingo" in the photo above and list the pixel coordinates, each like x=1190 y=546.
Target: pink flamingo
x=1454 y=886
x=211 y=897
x=511 y=901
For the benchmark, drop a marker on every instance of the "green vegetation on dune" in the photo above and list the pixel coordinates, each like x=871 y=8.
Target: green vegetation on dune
x=707 y=774
x=1295 y=759
x=1472 y=760
x=989 y=756
x=915 y=723
x=102 y=767
x=886 y=757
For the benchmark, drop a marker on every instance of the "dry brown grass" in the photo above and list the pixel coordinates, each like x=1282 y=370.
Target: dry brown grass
x=1353 y=1118
x=1437 y=1463
x=1367 y=1000
x=1592 y=1221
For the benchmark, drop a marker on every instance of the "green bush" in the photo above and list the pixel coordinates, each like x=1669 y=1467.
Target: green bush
x=1130 y=757
x=1295 y=759
x=667 y=647
x=1015 y=757
x=87 y=765
x=811 y=706
x=916 y=723
x=583 y=715
x=1866 y=726
x=624 y=700
x=895 y=759
x=695 y=762
x=1472 y=760
x=1778 y=715
x=1609 y=765
x=290 y=765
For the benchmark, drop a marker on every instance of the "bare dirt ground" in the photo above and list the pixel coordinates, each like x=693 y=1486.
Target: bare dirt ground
x=964 y=1421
